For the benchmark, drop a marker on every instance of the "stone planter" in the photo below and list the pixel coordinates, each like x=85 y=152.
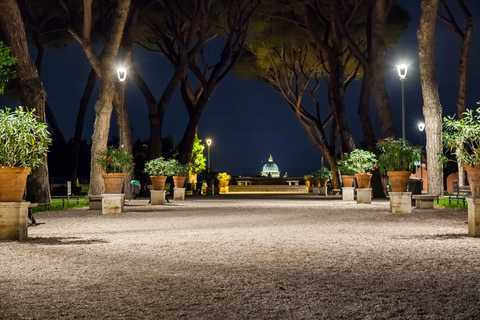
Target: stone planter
x=473 y=176
x=348 y=180
x=363 y=180
x=179 y=182
x=158 y=182
x=113 y=182
x=399 y=180
x=12 y=183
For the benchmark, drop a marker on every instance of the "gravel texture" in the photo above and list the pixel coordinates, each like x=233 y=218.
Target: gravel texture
x=244 y=257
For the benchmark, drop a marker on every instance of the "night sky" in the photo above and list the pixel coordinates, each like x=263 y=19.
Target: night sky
x=248 y=120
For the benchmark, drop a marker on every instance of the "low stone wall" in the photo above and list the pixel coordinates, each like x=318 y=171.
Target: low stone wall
x=267 y=188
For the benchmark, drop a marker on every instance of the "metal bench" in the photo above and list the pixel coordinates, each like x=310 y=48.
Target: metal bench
x=424 y=201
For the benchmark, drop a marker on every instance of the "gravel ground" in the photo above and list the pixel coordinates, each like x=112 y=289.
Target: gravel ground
x=244 y=257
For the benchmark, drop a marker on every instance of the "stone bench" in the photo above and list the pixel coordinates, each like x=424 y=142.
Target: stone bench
x=424 y=201
x=244 y=182
x=293 y=182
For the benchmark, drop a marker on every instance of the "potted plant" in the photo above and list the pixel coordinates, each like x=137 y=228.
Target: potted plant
x=309 y=179
x=180 y=174
x=396 y=161
x=363 y=162
x=114 y=162
x=347 y=168
x=24 y=143
x=223 y=178
x=462 y=137
x=322 y=176
x=159 y=169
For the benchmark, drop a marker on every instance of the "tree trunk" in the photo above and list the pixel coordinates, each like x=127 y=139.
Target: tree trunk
x=82 y=111
x=32 y=93
x=336 y=98
x=432 y=109
x=377 y=67
x=104 y=68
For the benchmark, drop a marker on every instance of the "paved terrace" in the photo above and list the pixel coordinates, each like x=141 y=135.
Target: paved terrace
x=244 y=257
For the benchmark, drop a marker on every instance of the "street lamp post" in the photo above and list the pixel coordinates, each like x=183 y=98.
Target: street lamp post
x=402 y=73
x=122 y=76
x=209 y=142
x=421 y=127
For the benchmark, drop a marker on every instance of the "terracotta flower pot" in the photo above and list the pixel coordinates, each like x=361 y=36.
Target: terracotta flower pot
x=473 y=176
x=113 y=182
x=363 y=180
x=348 y=180
x=12 y=183
x=323 y=182
x=399 y=180
x=178 y=181
x=158 y=182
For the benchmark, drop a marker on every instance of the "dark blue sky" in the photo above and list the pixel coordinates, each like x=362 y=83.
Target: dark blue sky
x=248 y=120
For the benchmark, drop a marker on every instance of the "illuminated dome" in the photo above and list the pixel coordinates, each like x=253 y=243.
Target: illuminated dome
x=270 y=169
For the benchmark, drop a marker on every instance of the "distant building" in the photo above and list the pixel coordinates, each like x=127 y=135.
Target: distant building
x=270 y=169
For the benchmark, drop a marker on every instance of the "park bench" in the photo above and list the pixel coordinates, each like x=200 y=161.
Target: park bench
x=424 y=201
x=244 y=182
x=30 y=214
x=293 y=182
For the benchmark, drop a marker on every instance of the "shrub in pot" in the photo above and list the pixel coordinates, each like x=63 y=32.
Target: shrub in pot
x=322 y=176
x=24 y=143
x=396 y=157
x=223 y=178
x=114 y=162
x=180 y=174
x=462 y=137
x=363 y=162
x=347 y=170
x=159 y=169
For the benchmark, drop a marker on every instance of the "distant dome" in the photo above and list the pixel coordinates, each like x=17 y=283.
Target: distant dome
x=270 y=169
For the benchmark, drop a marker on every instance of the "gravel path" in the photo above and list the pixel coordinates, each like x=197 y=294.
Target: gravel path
x=240 y=257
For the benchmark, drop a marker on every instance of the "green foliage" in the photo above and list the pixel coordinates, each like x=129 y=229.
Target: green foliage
x=161 y=167
x=462 y=137
x=396 y=155
x=181 y=170
x=223 y=177
x=358 y=161
x=23 y=140
x=323 y=173
x=6 y=61
x=113 y=160
x=198 y=160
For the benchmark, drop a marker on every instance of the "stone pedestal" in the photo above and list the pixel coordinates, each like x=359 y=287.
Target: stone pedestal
x=112 y=203
x=364 y=195
x=95 y=202
x=322 y=191
x=473 y=217
x=209 y=191
x=14 y=220
x=224 y=189
x=179 y=194
x=348 y=193
x=400 y=202
x=157 y=197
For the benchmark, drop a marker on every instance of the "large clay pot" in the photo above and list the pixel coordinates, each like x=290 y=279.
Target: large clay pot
x=12 y=183
x=399 y=180
x=224 y=186
x=113 y=182
x=363 y=180
x=473 y=176
x=178 y=181
x=348 y=180
x=158 y=182
x=323 y=182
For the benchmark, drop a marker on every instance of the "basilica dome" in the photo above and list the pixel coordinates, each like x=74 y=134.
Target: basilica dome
x=270 y=169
